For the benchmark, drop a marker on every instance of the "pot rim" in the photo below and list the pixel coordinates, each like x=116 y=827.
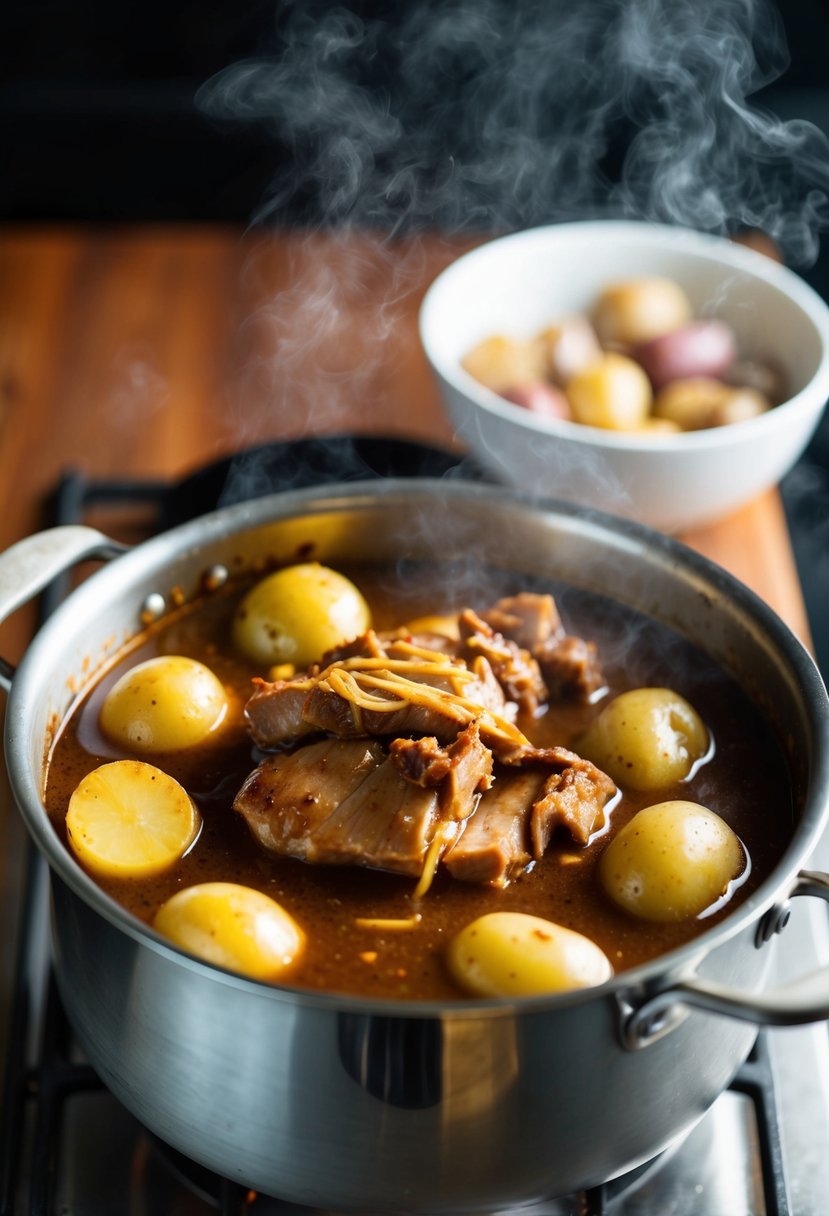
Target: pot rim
x=231 y=520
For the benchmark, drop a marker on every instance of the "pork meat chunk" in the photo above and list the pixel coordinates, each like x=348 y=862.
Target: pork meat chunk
x=387 y=823
x=528 y=619
x=328 y=710
x=290 y=796
x=575 y=799
x=493 y=847
x=274 y=711
x=571 y=669
x=515 y=669
x=346 y=802
x=396 y=643
x=462 y=770
x=569 y=665
x=426 y=693
x=368 y=645
x=339 y=802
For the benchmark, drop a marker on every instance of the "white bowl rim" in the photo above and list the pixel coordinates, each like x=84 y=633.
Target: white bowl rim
x=811 y=398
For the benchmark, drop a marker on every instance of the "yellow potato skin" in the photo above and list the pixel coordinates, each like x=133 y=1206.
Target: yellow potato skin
x=646 y=739
x=637 y=310
x=165 y=704
x=500 y=362
x=296 y=614
x=671 y=862
x=612 y=393
x=232 y=926
x=512 y=954
x=128 y=819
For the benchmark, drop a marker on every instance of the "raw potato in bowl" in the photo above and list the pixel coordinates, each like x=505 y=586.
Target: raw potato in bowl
x=644 y=365
x=519 y=284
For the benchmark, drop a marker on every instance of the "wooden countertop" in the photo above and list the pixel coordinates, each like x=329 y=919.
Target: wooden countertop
x=149 y=351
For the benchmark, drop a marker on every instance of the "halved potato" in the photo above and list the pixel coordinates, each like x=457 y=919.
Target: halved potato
x=128 y=819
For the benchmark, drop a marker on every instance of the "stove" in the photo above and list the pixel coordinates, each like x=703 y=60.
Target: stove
x=67 y=1148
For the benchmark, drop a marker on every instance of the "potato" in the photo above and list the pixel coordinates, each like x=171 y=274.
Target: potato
x=234 y=927
x=672 y=861
x=569 y=347
x=512 y=954
x=446 y=626
x=165 y=704
x=637 y=310
x=701 y=348
x=613 y=393
x=129 y=819
x=658 y=426
x=543 y=400
x=763 y=378
x=740 y=405
x=697 y=404
x=691 y=404
x=645 y=739
x=498 y=362
x=296 y=614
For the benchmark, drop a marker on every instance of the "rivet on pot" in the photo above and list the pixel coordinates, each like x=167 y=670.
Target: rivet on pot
x=656 y=1018
x=154 y=606
x=774 y=921
x=214 y=577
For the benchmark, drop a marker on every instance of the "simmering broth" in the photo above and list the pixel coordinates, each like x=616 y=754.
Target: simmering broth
x=745 y=781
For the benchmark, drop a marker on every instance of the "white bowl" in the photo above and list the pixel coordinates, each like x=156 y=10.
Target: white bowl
x=518 y=285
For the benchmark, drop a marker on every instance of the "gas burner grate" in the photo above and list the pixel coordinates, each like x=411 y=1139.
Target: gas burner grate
x=66 y=1147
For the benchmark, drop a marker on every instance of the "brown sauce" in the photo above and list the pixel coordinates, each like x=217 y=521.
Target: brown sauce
x=746 y=782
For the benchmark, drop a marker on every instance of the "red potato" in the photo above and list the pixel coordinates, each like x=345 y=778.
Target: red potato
x=544 y=400
x=699 y=349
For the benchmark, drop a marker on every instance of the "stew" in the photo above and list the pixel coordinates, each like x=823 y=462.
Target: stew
x=368 y=926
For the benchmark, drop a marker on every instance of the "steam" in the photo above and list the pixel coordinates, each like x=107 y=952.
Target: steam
x=478 y=116
x=473 y=117
x=323 y=333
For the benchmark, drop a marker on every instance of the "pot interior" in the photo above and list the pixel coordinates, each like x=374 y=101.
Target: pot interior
x=465 y=528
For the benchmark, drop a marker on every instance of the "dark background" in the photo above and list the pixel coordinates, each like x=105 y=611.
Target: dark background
x=99 y=123
x=98 y=112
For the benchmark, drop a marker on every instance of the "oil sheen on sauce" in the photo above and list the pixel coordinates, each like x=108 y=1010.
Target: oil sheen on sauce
x=746 y=782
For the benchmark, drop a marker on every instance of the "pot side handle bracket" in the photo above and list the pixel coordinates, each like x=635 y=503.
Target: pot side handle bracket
x=795 y=1003
x=31 y=564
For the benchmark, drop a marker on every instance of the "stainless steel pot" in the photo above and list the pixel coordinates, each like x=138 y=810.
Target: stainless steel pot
x=346 y=1103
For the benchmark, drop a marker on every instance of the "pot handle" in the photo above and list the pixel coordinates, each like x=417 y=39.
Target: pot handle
x=795 y=1003
x=31 y=564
